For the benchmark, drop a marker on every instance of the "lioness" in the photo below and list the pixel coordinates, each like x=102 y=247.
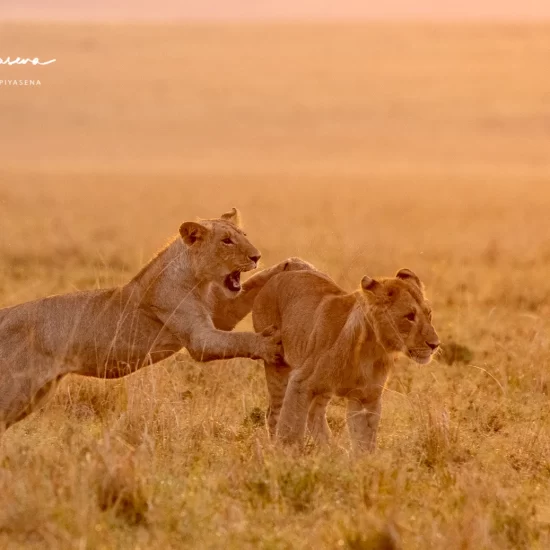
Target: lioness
x=188 y=296
x=339 y=344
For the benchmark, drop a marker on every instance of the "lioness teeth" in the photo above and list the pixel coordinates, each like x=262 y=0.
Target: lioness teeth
x=233 y=281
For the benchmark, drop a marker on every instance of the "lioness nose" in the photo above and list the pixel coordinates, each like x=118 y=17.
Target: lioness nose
x=256 y=257
x=433 y=345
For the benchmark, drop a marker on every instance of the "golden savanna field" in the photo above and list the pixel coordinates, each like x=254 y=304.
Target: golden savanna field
x=361 y=148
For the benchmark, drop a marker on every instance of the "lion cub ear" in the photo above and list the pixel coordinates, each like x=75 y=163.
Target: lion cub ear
x=233 y=216
x=409 y=276
x=368 y=284
x=191 y=232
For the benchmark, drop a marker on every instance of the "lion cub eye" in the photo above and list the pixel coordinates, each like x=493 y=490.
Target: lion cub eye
x=227 y=240
x=410 y=316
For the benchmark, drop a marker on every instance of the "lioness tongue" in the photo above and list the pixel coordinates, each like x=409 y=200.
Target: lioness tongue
x=234 y=280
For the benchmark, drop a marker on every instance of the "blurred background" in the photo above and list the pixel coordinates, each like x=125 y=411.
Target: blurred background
x=348 y=89
x=283 y=9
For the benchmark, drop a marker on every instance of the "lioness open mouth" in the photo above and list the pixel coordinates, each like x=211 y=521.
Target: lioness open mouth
x=233 y=281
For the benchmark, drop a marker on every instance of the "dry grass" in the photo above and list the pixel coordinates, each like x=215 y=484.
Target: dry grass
x=438 y=162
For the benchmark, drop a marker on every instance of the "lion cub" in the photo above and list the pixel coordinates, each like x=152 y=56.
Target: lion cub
x=339 y=344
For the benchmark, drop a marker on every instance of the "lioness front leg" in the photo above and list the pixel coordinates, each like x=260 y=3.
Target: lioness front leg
x=212 y=344
x=227 y=313
x=363 y=418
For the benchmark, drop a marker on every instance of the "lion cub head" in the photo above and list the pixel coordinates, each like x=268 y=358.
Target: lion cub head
x=219 y=250
x=401 y=316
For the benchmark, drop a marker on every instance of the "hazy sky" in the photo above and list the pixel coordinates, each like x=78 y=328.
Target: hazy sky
x=274 y=9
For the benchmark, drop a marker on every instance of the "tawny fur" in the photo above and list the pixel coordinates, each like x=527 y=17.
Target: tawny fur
x=177 y=300
x=339 y=344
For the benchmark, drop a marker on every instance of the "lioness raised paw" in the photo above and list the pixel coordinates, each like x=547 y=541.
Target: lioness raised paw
x=271 y=346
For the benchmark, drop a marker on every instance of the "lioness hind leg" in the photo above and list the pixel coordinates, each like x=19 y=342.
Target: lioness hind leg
x=317 y=419
x=277 y=380
x=29 y=402
x=363 y=418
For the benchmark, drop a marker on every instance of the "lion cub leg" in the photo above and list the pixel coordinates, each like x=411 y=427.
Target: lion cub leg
x=317 y=419
x=293 y=419
x=277 y=381
x=363 y=417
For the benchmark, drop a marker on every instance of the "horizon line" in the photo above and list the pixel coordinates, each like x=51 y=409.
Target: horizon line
x=473 y=18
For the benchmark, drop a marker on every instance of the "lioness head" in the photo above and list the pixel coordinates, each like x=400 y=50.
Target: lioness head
x=401 y=316
x=219 y=250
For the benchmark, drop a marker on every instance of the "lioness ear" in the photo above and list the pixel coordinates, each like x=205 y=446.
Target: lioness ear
x=233 y=216
x=369 y=284
x=408 y=275
x=191 y=232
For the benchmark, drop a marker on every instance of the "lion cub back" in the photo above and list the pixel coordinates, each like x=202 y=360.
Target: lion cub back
x=293 y=302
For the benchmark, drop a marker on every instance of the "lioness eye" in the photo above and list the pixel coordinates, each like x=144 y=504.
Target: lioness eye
x=410 y=316
x=227 y=240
